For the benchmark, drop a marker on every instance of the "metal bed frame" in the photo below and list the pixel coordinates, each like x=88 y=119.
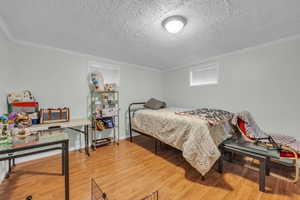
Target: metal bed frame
x=130 y=111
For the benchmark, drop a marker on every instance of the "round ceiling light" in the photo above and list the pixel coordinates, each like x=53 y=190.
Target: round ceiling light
x=174 y=24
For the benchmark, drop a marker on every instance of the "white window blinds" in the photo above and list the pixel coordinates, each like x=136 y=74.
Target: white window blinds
x=204 y=75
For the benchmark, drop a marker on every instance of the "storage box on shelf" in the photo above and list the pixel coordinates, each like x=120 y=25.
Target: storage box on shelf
x=105 y=116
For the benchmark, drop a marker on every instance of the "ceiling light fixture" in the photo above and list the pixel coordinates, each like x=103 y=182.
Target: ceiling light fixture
x=174 y=24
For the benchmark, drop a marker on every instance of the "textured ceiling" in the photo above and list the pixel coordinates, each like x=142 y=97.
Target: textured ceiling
x=131 y=31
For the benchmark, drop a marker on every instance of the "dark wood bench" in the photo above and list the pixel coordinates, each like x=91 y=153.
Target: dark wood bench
x=248 y=149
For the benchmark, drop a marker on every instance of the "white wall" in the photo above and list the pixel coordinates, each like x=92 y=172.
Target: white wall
x=58 y=78
x=6 y=83
x=264 y=81
x=138 y=85
x=6 y=71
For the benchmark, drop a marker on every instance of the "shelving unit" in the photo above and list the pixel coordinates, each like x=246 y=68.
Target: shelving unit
x=101 y=103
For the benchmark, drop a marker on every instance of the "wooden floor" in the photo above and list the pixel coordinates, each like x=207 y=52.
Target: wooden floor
x=131 y=170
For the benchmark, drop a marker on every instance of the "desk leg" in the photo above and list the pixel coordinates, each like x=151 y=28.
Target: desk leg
x=220 y=162
x=155 y=144
x=131 y=139
x=66 y=168
x=262 y=174
x=9 y=169
x=86 y=137
x=9 y=165
x=268 y=166
x=230 y=156
x=63 y=160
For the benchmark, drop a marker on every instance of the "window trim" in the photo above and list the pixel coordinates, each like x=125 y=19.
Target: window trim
x=94 y=65
x=215 y=66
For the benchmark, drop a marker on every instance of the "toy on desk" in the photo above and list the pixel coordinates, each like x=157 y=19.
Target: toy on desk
x=34 y=117
x=5 y=133
x=21 y=132
x=12 y=119
x=14 y=124
x=23 y=119
x=15 y=119
x=4 y=130
x=96 y=81
x=12 y=116
x=3 y=118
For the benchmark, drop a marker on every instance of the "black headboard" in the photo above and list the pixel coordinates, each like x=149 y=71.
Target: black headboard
x=130 y=110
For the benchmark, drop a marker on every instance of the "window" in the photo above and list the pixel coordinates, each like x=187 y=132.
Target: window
x=111 y=74
x=204 y=75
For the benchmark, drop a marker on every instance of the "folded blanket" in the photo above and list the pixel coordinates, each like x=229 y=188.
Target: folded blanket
x=253 y=131
x=212 y=116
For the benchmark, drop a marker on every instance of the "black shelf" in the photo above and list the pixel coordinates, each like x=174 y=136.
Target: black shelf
x=103 y=92
x=99 y=118
x=107 y=128
x=101 y=142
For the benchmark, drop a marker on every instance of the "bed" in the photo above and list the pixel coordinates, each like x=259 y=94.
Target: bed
x=195 y=137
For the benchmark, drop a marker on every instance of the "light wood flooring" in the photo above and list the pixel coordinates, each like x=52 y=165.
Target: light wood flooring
x=131 y=170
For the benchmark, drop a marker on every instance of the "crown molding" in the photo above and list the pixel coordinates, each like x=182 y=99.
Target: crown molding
x=5 y=29
x=11 y=38
x=237 y=52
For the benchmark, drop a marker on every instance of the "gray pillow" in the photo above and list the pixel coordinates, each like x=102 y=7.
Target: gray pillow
x=155 y=104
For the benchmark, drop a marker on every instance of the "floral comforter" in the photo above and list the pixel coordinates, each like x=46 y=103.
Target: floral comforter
x=197 y=140
x=213 y=116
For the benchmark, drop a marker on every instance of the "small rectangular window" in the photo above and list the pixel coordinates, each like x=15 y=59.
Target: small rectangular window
x=204 y=75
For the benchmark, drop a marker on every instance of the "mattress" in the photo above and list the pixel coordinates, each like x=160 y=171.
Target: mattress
x=197 y=140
